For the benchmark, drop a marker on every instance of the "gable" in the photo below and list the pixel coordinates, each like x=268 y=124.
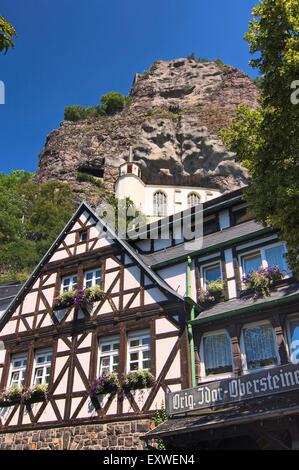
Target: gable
x=128 y=283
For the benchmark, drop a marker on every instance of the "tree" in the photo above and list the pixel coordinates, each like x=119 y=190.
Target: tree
x=113 y=102
x=31 y=217
x=266 y=139
x=7 y=31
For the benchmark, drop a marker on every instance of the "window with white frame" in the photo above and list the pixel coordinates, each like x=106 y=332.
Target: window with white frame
x=92 y=278
x=69 y=283
x=216 y=353
x=293 y=334
x=139 y=351
x=42 y=369
x=272 y=255
x=259 y=346
x=193 y=199
x=18 y=370
x=160 y=204
x=108 y=355
x=210 y=273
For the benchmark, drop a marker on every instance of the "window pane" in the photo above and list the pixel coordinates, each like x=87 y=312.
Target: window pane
x=146 y=364
x=259 y=347
x=217 y=354
x=146 y=341
x=134 y=356
x=294 y=346
x=106 y=347
x=252 y=263
x=275 y=257
x=134 y=343
x=134 y=366
x=212 y=274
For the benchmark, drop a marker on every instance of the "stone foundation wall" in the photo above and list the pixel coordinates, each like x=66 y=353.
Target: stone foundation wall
x=110 y=436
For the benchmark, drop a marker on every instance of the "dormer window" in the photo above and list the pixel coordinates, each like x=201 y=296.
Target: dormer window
x=160 y=204
x=193 y=199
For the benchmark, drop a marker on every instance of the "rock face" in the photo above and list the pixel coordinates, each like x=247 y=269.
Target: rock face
x=172 y=124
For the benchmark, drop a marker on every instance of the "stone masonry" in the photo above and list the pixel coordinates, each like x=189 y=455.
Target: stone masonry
x=111 y=436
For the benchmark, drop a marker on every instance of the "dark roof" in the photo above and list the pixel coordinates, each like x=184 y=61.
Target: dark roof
x=250 y=229
x=84 y=206
x=247 y=411
x=227 y=199
x=8 y=291
x=237 y=306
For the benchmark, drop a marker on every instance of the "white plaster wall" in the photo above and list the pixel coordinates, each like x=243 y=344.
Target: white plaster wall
x=230 y=272
x=175 y=276
x=163 y=349
x=164 y=326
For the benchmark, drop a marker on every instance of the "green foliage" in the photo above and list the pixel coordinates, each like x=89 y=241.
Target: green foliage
x=213 y=293
x=139 y=379
x=66 y=299
x=215 y=288
x=93 y=294
x=7 y=32
x=160 y=113
x=122 y=215
x=31 y=216
x=74 y=113
x=84 y=177
x=14 y=393
x=114 y=102
x=159 y=418
x=266 y=139
x=111 y=103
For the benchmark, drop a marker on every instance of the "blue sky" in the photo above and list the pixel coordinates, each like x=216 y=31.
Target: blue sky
x=73 y=51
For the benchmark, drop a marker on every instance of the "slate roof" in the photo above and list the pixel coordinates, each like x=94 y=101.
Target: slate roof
x=210 y=242
x=236 y=414
x=9 y=290
x=238 y=305
x=7 y=294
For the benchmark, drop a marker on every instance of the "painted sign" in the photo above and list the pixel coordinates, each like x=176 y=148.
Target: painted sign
x=221 y=392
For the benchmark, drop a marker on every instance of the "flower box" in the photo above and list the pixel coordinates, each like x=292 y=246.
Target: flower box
x=80 y=298
x=105 y=384
x=261 y=282
x=138 y=379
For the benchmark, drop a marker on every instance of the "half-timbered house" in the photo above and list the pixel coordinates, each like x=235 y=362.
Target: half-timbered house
x=245 y=340
x=137 y=324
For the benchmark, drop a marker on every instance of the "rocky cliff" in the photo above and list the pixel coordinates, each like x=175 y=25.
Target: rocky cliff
x=173 y=125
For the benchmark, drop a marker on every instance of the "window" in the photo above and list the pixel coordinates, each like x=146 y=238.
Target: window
x=210 y=273
x=294 y=340
x=109 y=355
x=251 y=262
x=69 y=283
x=210 y=225
x=92 y=278
x=83 y=236
x=139 y=351
x=241 y=214
x=217 y=354
x=259 y=346
x=193 y=199
x=42 y=368
x=160 y=204
x=273 y=255
x=18 y=370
